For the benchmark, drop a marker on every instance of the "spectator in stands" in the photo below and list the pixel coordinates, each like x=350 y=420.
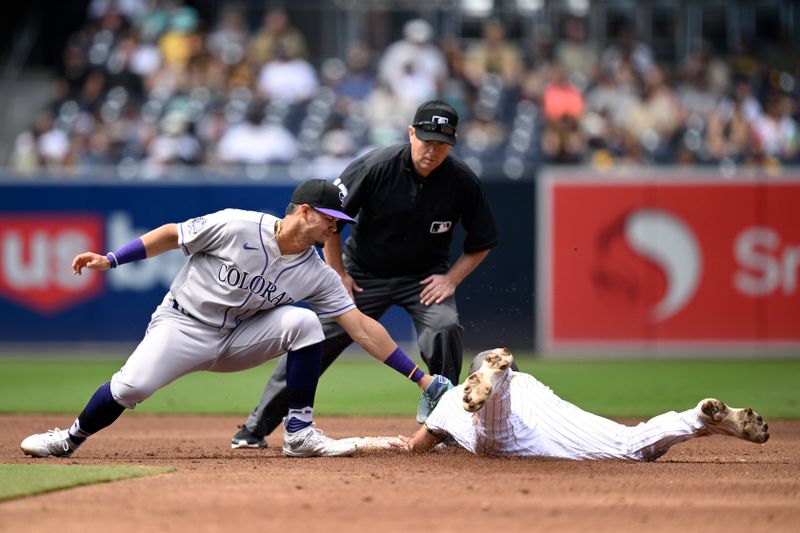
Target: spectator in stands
x=181 y=40
x=654 y=119
x=576 y=55
x=728 y=135
x=775 y=131
x=338 y=151
x=493 y=54
x=413 y=64
x=483 y=135
x=287 y=78
x=255 y=142
x=384 y=112
x=628 y=48
x=357 y=80
x=52 y=142
x=176 y=143
x=275 y=31
x=120 y=67
x=228 y=41
x=562 y=140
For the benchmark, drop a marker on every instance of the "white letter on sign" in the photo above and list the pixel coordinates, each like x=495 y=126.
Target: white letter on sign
x=752 y=250
x=21 y=274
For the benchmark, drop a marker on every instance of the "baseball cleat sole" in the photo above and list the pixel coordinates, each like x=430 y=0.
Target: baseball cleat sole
x=745 y=423
x=478 y=387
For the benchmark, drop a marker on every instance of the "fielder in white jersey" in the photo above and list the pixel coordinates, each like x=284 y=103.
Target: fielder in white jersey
x=230 y=308
x=499 y=411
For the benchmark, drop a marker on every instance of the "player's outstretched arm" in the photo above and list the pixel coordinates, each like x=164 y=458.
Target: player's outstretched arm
x=150 y=244
x=375 y=340
x=422 y=441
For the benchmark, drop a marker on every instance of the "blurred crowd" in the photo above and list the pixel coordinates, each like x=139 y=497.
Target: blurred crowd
x=147 y=85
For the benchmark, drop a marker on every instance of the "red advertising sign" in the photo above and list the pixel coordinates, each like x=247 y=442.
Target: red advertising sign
x=664 y=262
x=36 y=255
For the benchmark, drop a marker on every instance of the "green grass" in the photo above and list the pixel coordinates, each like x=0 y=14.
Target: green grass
x=362 y=386
x=21 y=480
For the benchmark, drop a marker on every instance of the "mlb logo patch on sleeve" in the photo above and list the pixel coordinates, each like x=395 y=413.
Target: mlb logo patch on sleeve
x=441 y=226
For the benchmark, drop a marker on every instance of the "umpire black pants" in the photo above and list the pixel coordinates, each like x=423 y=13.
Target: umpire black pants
x=439 y=335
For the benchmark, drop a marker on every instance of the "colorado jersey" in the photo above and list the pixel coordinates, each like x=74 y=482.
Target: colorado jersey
x=236 y=270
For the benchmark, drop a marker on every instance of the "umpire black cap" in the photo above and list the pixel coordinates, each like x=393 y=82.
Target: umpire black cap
x=436 y=121
x=323 y=196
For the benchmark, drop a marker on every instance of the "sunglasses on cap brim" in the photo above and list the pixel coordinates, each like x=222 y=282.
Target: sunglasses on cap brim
x=431 y=127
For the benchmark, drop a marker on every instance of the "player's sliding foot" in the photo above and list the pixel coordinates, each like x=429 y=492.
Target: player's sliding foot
x=742 y=423
x=54 y=443
x=479 y=386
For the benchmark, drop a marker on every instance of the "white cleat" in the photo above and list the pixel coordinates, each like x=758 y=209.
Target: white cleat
x=54 y=443
x=478 y=387
x=310 y=442
x=742 y=423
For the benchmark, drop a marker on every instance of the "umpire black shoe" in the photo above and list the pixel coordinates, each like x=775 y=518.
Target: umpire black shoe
x=244 y=438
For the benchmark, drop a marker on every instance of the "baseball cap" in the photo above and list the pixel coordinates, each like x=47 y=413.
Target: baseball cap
x=436 y=121
x=323 y=196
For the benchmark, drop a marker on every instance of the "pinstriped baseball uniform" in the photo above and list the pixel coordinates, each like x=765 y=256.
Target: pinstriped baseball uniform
x=525 y=417
x=229 y=308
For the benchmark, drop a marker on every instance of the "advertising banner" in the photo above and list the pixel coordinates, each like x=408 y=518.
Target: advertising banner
x=673 y=263
x=44 y=225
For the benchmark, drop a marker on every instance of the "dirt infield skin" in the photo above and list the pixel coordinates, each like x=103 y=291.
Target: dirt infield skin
x=709 y=484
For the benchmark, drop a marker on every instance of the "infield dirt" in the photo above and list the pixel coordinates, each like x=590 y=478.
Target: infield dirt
x=712 y=484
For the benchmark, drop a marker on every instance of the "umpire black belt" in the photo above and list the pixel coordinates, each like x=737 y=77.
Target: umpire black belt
x=177 y=306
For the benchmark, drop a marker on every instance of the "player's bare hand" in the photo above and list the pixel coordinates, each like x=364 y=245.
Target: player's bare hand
x=351 y=285
x=438 y=288
x=91 y=261
x=402 y=443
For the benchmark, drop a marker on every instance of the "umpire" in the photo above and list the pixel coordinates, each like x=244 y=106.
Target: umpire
x=407 y=199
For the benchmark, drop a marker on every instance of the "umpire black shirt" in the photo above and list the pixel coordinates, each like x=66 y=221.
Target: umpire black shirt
x=406 y=222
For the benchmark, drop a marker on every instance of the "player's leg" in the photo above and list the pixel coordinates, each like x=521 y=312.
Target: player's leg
x=166 y=352
x=273 y=406
x=652 y=439
x=298 y=333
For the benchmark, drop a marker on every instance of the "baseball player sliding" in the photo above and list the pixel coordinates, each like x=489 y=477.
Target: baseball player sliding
x=229 y=309
x=499 y=411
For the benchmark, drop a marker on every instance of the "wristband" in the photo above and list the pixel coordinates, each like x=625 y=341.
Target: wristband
x=400 y=362
x=133 y=251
